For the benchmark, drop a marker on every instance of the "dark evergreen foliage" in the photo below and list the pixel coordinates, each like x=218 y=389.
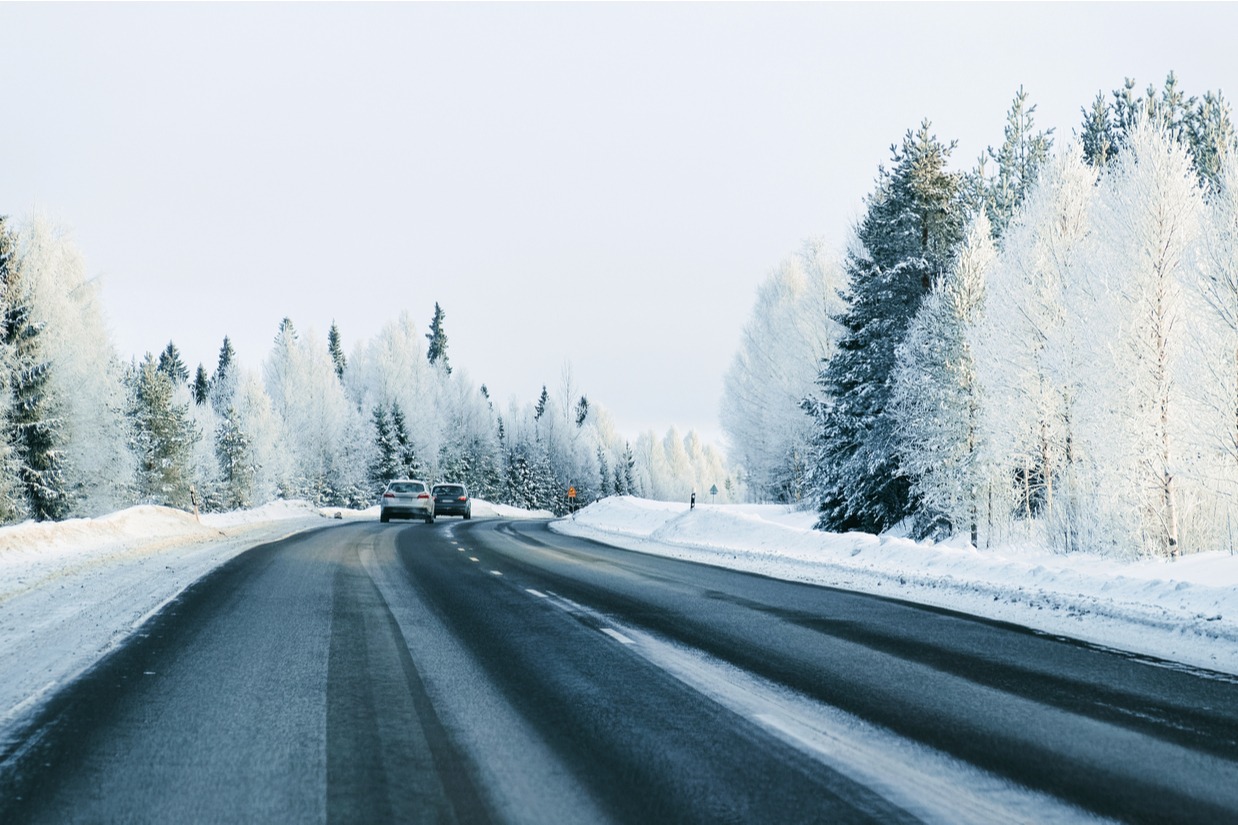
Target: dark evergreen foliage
x=335 y=347
x=1018 y=160
x=542 y=400
x=1204 y=126
x=200 y=387
x=171 y=365
x=582 y=411
x=905 y=243
x=237 y=467
x=437 y=336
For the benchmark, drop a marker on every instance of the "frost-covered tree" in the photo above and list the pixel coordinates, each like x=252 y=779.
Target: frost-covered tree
x=1028 y=345
x=85 y=381
x=1149 y=218
x=322 y=430
x=14 y=502
x=936 y=398
x=790 y=332
x=905 y=242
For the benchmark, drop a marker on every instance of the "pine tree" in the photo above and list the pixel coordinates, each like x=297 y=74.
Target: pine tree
x=34 y=422
x=605 y=482
x=200 y=388
x=171 y=365
x=582 y=411
x=1097 y=138
x=163 y=437
x=905 y=244
x=437 y=336
x=337 y=350
x=1018 y=161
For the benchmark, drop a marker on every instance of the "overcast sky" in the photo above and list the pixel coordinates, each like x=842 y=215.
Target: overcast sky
x=599 y=185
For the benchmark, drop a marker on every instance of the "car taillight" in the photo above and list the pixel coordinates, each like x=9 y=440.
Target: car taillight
x=388 y=495
x=424 y=495
x=463 y=498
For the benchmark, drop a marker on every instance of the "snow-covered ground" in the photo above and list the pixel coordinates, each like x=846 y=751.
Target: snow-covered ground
x=72 y=590
x=1184 y=611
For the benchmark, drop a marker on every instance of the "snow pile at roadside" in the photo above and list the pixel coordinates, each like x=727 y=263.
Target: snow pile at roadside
x=71 y=590
x=1185 y=611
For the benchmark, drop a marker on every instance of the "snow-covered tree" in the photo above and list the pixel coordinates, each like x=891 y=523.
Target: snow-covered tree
x=936 y=399
x=790 y=332
x=1028 y=345
x=84 y=386
x=171 y=365
x=1149 y=218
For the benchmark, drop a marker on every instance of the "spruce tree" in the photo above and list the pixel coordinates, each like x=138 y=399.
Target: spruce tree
x=582 y=411
x=437 y=336
x=408 y=464
x=200 y=388
x=385 y=465
x=163 y=437
x=337 y=350
x=171 y=365
x=905 y=244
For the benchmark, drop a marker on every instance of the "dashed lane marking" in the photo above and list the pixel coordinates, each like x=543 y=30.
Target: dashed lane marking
x=617 y=636
x=539 y=594
x=495 y=573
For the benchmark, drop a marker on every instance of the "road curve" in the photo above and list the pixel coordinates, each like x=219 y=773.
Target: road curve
x=495 y=671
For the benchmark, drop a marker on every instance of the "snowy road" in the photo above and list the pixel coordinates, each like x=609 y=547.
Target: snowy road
x=496 y=671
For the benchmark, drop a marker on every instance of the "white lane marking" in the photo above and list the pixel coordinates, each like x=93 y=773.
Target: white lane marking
x=617 y=636
x=536 y=593
x=495 y=573
x=462 y=550
x=474 y=558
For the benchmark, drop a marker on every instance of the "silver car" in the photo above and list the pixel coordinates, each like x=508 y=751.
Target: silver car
x=406 y=498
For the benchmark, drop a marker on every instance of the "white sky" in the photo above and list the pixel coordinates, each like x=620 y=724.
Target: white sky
x=604 y=185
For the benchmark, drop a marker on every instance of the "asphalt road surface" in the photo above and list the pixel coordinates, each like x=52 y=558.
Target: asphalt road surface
x=493 y=671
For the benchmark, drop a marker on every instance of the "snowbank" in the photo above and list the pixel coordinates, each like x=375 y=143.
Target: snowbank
x=1185 y=611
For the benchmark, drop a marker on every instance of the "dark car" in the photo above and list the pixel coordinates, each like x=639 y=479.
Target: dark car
x=452 y=500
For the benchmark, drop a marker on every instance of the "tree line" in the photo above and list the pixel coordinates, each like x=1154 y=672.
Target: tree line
x=1041 y=348
x=84 y=433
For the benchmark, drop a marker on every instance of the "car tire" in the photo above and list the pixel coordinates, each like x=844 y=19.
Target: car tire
x=468 y=514
x=384 y=518
x=429 y=519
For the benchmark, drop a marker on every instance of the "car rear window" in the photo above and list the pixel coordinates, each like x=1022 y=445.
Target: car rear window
x=449 y=489
x=406 y=487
